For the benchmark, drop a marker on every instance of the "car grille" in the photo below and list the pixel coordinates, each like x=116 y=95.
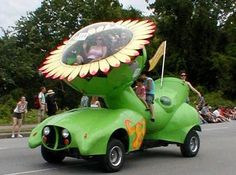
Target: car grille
x=54 y=139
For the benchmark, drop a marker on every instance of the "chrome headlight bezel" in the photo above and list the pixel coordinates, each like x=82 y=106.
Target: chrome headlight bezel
x=65 y=133
x=46 y=131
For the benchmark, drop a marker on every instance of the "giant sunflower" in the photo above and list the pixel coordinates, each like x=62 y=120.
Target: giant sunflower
x=66 y=61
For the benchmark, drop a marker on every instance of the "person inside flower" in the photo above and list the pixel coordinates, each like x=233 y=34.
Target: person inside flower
x=97 y=51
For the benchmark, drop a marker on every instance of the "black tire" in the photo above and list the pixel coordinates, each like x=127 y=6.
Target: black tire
x=52 y=156
x=114 y=158
x=191 y=144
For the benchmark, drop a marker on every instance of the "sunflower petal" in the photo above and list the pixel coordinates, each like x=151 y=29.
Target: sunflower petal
x=134 y=45
x=57 y=56
x=119 y=22
x=143 y=42
x=51 y=73
x=66 y=42
x=84 y=70
x=142 y=24
x=107 y=27
x=125 y=23
x=94 y=68
x=50 y=60
x=100 y=28
x=140 y=27
x=66 y=72
x=130 y=52
x=131 y=23
x=61 y=47
x=49 y=66
x=58 y=74
x=74 y=73
x=143 y=32
x=122 y=57
x=91 y=31
x=104 y=66
x=113 y=61
x=142 y=36
x=56 y=51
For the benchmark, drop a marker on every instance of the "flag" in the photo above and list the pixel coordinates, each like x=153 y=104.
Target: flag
x=159 y=53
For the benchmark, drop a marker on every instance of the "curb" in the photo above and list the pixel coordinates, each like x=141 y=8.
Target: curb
x=8 y=135
x=6 y=131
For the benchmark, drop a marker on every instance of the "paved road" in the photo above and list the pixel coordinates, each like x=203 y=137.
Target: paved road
x=217 y=156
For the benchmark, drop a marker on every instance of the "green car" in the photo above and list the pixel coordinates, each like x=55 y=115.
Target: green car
x=124 y=126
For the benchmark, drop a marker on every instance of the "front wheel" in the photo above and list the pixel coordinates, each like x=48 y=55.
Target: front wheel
x=52 y=156
x=191 y=145
x=114 y=158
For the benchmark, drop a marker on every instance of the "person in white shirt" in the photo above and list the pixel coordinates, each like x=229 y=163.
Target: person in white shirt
x=20 y=109
x=43 y=105
x=217 y=114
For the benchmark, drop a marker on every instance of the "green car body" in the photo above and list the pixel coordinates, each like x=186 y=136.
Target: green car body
x=124 y=126
x=174 y=120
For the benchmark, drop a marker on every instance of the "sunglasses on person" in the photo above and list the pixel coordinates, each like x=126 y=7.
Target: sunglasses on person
x=183 y=75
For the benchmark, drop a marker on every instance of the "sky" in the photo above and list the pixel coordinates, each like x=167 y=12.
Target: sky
x=12 y=10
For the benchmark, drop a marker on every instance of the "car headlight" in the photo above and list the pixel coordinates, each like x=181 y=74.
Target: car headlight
x=65 y=133
x=46 y=131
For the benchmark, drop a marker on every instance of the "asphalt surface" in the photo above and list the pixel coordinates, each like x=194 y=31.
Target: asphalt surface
x=216 y=157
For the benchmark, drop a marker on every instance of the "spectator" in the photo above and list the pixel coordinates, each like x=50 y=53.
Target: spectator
x=43 y=105
x=183 y=76
x=94 y=102
x=51 y=103
x=217 y=114
x=20 y=109
x=208 y=116
x=201 y=103
x=150 y=93
x=84 y=102
x=233 y=112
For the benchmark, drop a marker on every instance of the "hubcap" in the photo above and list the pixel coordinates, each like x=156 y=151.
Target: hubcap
x=194 y=144
x=115 y=155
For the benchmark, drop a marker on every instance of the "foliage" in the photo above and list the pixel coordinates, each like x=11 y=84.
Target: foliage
x=216 y=99
x=200 y=39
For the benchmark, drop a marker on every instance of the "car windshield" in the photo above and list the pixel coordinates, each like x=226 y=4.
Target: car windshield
x=96 y=41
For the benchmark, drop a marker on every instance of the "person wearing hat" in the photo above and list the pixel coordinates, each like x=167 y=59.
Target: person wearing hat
x=51 y=103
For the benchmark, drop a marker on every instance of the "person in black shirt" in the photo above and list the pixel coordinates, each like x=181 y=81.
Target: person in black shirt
x=51 y=103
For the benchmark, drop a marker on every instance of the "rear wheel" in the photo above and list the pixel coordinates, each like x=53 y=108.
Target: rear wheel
x=52 y=156
x=191 y=144
x=114 y=158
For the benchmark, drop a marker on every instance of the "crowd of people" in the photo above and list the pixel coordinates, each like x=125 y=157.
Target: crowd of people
x=46 y=103
x=208 y=114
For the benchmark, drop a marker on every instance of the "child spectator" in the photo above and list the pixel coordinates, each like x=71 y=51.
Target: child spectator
x=140 y=91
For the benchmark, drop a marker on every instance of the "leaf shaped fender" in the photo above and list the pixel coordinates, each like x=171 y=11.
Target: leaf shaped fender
x=136 y=132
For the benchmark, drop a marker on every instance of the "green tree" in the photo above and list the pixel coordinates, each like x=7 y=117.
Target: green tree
x=191 y=29
x=38 y=33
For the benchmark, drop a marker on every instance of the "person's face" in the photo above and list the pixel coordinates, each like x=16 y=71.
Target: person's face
x=143 y=77
x=139 y=83
x=98 y=40
x=183 y=76
x=44 y=90
x=22 y=99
